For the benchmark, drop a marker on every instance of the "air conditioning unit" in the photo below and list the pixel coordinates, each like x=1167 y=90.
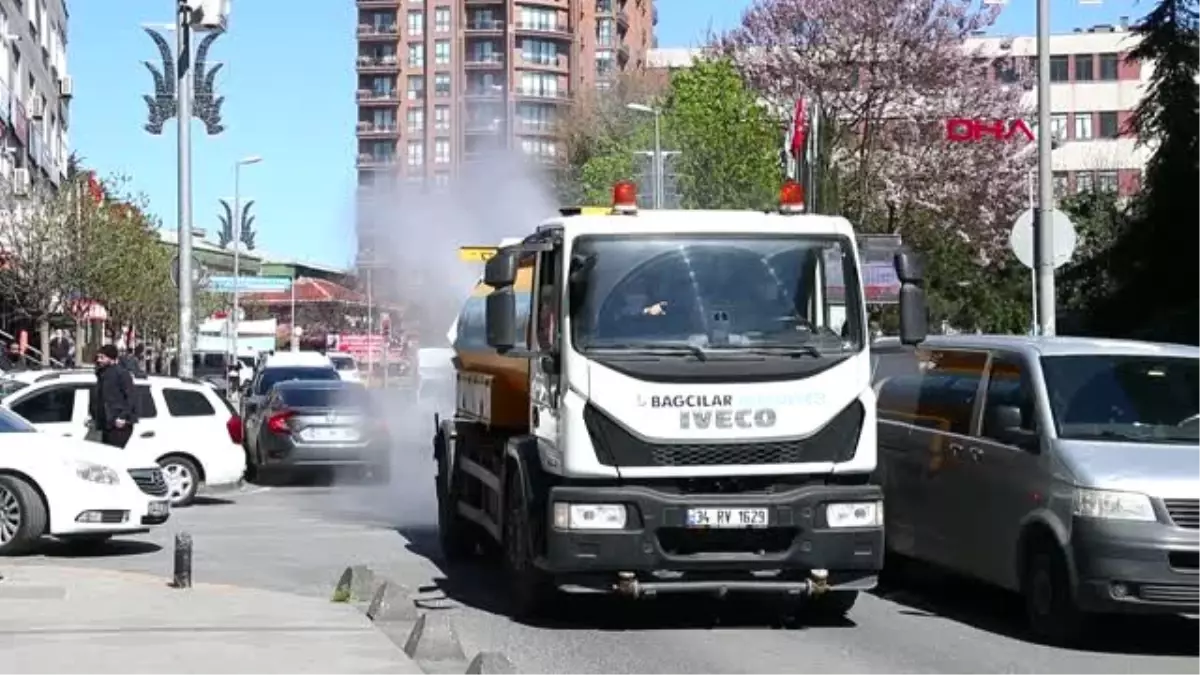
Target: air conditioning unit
x=37 y=109
x=66 y=88
x=21 y=182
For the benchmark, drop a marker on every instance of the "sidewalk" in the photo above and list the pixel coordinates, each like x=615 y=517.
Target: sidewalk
x=73 y=620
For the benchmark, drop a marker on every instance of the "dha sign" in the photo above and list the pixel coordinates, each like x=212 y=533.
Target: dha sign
x=962 y=129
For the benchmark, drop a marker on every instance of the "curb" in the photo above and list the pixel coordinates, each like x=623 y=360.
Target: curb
x=427 y=637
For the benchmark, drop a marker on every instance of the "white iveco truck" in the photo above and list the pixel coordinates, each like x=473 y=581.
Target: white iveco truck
x=670 y=401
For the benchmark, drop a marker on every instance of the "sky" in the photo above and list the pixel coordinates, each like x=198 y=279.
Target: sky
x=288 y=81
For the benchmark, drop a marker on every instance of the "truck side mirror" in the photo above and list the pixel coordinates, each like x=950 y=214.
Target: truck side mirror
x=501 y=269
x=501 y=318
x=914 y=315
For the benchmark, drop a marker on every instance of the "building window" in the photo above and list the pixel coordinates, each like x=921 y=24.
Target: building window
x=1107 y=181
x=416 y=55
x=1060 y=181
x=1005 y=70
x=441 y=84
x=416 y=153
x=605 y=30
x=1083 y=126
x=1058 y=126
x=441 y=151
x=441 y=179
x=1085 y=68
x=416 y=120
x=539 y=84
x=539 y=51
x=1109 y=127
x=441 y=19
x=539 y=147
x=1108 y=67
x=441 y=118
x=383 y=119
x=416 y=23
x=441 y=52
x=539 y=19
x=1084 y=182
x=484 y=52
x=535 y=116
x=416 y=87
x=1060 y=69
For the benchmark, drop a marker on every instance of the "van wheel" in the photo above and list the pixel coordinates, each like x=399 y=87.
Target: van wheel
x=1049 y=603
x=530 y=589
x=454 y=533
x=183 y=479
x=23 y=517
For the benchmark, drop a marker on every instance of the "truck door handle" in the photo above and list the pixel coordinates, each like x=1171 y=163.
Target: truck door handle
x=976 y=454
x=955 y=450
x=147 y=434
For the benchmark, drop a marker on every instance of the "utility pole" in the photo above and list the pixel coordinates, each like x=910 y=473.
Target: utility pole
x=234 y=317
x=1043 y=247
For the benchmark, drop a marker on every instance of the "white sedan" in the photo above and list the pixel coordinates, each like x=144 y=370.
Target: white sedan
x=72 y=490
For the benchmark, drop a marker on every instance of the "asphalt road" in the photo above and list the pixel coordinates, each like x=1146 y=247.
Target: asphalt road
x=299 y=539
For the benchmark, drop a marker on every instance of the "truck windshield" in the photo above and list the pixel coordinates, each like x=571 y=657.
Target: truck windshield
x=790 y=292
x=1124 y=398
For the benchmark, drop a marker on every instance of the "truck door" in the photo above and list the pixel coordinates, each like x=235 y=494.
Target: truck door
x=545 y=338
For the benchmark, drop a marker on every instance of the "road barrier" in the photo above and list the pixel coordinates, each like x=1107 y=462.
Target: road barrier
x=427 y=637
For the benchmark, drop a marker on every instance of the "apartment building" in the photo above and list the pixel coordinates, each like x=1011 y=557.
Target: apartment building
x=442 y=82
x=35 y=90
x=1093 y=92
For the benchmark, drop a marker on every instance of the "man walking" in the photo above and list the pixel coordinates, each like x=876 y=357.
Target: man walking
x=113 y=404
x=13 y=360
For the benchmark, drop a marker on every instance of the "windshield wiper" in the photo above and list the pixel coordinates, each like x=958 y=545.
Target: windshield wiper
x=656 y=349
x=782 y=350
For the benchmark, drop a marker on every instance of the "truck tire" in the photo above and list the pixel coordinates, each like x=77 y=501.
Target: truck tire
x=1053 y=615
x=23 y=517
x=831 y=606
x=531 y=590
x=454 y=532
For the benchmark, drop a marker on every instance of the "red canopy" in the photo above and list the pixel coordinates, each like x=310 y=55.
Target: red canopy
x=308 y=291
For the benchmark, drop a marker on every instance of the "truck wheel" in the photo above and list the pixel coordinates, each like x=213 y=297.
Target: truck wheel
x=1049 y=603
x=832 y=605
x=454 y=532
x=530 y=589
x=23 y=517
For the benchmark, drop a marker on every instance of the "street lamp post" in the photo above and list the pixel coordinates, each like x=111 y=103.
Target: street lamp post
x=1044 y=236
x=234 y=318
x=658 y=157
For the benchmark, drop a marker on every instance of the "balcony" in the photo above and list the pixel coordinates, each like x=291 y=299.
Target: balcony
x=491 y=61
x=369 y=33
x=481 y=3
x=372 y=64
x=378 y=4
x=369 y=161
x=486 y=127
x=559 y=63
x=484 y=27
x=372 y=130
x=554 y=95
x=366 y=97
x=623 y=54
x=622 y=22
x=537 y=128
x=560 y=31
x=480 y=91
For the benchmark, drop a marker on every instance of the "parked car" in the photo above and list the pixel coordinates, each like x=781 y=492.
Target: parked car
x=184 y=426
x=78 y=492
x=1067 y=469
x=313 y=424
x=276 y=368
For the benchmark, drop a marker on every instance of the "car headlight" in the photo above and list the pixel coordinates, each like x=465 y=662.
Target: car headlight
x=590 y=516
x=1112 y=505
x=854 y=514
x=96 y=473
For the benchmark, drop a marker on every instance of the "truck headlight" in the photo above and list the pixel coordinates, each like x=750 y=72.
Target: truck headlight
x=96 y=473
x=854 y=514
x=590 y=516
x=1113 y=505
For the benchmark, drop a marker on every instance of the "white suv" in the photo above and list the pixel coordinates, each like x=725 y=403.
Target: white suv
x=183 y=425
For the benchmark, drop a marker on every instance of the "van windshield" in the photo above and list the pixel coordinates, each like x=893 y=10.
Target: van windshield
x=1148 y=399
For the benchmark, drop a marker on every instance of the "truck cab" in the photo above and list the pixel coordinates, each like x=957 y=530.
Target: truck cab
x=697 y=412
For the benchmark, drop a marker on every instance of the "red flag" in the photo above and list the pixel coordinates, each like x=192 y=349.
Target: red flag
x=799 y=129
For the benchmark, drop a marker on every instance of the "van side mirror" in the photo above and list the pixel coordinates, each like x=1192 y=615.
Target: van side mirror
x=1005 y=422
x=501 y=318
x=914 y=314
x=501 y=269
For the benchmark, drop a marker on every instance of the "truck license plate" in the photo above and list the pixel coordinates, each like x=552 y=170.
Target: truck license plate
x=727 y=518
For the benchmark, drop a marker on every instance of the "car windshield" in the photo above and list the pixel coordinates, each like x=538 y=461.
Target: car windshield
x=9 y=387
x=273 y=376
x=11 y=422
x=354 y=397
x=343 y=362
x=779 y=291
x=1121 y=398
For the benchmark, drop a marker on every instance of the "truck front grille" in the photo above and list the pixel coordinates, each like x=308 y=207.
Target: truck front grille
x=617 y=446
x=1184 y=512
x=680 y=541
x=151 y=481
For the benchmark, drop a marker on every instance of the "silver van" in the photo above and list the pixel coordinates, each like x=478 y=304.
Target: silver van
x=1067 y=469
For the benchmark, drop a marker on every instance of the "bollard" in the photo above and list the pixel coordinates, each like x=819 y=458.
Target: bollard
x=183 y=561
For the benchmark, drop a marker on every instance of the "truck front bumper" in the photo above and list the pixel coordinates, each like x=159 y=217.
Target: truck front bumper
x=656 y=551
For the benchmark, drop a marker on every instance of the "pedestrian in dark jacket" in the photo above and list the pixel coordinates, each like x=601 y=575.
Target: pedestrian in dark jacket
x=113 y=404
x=133 y=360
x=13 y=360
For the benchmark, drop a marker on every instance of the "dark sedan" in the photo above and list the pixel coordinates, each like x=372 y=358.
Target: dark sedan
x=320 y=425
